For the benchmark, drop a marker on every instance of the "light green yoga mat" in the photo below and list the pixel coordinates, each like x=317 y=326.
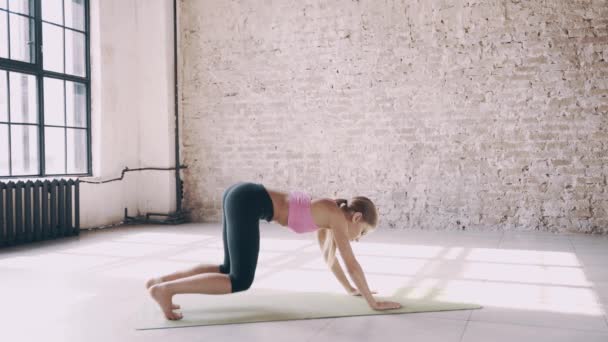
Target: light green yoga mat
x=262 y=305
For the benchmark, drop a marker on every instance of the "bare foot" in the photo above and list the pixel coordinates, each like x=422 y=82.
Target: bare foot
x=163 y=298
x=152 y=281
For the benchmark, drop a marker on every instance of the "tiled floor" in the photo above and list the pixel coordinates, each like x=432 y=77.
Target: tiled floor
x=533 y=286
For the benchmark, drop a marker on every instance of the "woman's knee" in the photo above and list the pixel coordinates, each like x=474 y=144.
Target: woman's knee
x=224 y=269
x=240 y=283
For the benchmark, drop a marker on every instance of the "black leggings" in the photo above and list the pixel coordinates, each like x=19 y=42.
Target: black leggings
x=244 y=205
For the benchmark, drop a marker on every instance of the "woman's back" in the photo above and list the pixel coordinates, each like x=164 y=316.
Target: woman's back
x=280 y=203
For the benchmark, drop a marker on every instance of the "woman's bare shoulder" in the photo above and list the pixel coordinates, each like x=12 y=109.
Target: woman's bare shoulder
x=325 y=211
x=325 y=201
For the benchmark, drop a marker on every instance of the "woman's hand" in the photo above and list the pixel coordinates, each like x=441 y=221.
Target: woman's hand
x=355 y=292
x=380 y=306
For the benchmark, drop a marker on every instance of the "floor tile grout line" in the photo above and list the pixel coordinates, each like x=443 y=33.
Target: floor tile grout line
x=321 y=329
x=464 y=330
x=582 y=266
x=500 y=239
x=540 y=326
x=571 y=244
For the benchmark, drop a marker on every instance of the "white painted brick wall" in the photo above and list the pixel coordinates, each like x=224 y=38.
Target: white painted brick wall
x=448 y=114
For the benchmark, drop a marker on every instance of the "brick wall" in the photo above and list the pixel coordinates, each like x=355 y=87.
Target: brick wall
x=448 y=114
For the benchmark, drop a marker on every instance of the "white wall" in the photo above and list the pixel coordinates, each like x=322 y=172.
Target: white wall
x=132 y=110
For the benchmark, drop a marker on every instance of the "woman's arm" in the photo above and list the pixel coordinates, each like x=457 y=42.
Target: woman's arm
x=335 y=268
x=352 y=265
x=340 y=232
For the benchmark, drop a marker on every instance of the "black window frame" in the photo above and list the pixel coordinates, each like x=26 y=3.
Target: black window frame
x=36 y=69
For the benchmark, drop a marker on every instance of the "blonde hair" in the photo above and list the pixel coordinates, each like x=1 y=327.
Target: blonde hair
x=358 y=204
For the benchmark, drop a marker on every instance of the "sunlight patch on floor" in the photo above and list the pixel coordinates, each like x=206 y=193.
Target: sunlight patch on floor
x=117 y=249
x=518 y=279
x=164 y=238
x=56 y=262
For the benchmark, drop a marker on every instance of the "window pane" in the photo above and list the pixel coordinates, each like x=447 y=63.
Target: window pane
x=77 y=151
x=3 y=97
x=54 y=113
x=52 y=10
x=22 y=6
x=76 y=107
x=22 y=38
x=54 y=146
x=24 y=107
x=52 y=48
x=24 y=150
x=74 y=53
x=4 y=150
x=3 y=4
x=3 y=35
x=74 y=14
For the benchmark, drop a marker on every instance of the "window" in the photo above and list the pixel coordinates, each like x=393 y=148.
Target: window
x=44 y=88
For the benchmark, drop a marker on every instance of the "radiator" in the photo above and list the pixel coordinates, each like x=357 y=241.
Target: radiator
x=40 y=210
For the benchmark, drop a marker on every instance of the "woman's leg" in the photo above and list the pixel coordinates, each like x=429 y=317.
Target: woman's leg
x=202 y=268
x=212 y=282
x=243 y=244
x=200 y=279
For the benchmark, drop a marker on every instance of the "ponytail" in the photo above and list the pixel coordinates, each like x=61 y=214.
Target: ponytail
x=340 y=202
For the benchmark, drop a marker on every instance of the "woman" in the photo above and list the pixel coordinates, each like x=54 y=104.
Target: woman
x=336 y=222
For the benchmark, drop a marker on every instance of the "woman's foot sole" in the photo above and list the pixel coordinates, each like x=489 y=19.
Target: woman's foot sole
x=163 y=298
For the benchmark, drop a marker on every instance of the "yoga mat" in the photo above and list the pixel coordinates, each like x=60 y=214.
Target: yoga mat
x=263 y=305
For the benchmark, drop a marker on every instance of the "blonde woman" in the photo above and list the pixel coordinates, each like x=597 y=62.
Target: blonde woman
x=336 y=223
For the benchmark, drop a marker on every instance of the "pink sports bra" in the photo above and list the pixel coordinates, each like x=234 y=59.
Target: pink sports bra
x=299 y=218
